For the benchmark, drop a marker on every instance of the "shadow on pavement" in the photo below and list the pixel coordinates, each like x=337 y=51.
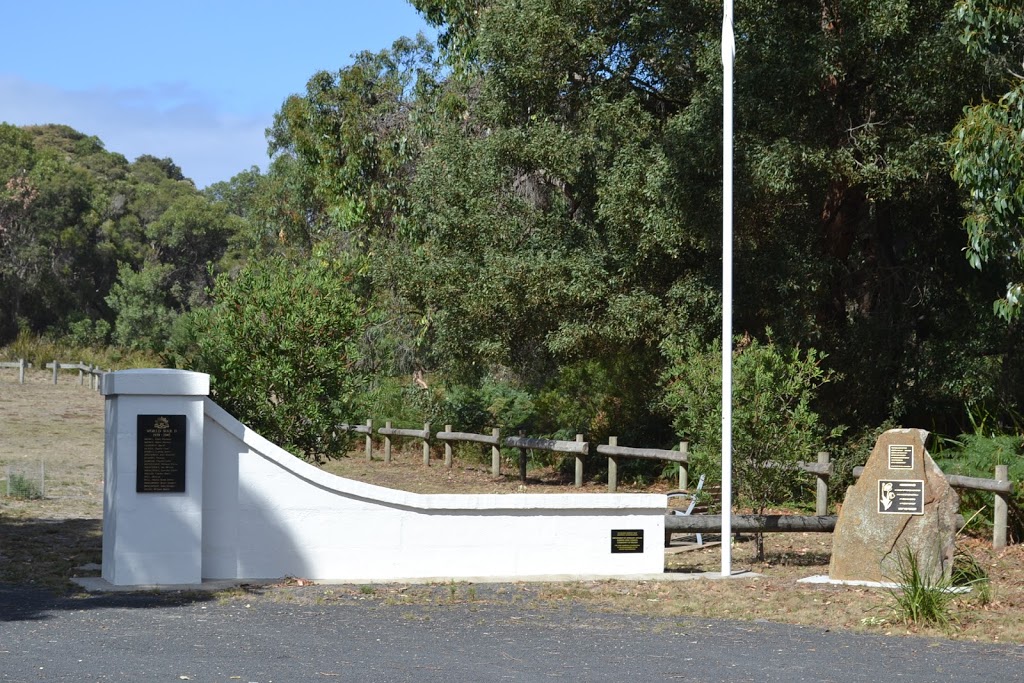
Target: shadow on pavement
x=38 y=557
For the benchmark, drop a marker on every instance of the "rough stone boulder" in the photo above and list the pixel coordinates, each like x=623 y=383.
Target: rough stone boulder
x=901 y=502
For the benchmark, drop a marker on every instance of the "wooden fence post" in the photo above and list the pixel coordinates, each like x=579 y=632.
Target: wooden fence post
x=81 y=373
x=21 y=371
x=821 y=500
x=613 y=466
x=426 y=444
x=369 y=440
x=684 y=467
x=1001 y=507
x=522 y=460
x=496 y=453
x=56 y=367
x=579 y=464
x=387 y=443
x=448 y=449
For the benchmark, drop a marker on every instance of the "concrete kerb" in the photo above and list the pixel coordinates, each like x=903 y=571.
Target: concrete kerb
x=96 y=584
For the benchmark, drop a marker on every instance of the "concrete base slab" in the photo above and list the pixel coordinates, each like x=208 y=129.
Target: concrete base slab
x=95 y=584
x=823 y=578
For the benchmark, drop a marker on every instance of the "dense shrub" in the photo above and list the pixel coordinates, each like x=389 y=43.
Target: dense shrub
x=774 y=424
x=281 y=344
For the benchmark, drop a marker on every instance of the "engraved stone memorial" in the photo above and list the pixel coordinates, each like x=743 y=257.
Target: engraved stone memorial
x=901 y=502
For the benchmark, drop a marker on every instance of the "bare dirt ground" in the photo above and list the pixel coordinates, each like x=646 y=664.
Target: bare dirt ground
x=43 y=541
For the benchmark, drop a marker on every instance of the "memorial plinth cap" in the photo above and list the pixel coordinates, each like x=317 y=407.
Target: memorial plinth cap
x=156 y=382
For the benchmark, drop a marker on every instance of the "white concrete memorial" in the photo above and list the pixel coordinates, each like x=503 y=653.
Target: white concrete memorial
x=191 y=494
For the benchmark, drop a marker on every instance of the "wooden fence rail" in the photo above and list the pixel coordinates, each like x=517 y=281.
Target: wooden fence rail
x=493 y=440
x=387 y=431
x=579 y=447
x=94 y=373
x=1001 y=486
x=614 y=452
x=21 y=364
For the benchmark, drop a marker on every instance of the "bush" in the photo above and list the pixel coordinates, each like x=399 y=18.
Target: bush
x=976 y=455
x=281 y=344
x=774 y=425
x=89 y=333
x=40 y=350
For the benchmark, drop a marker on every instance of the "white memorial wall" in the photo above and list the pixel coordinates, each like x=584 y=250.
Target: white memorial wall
x=214 y=500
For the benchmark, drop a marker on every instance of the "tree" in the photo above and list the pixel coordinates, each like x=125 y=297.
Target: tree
x=572 y=212
x=988 y=148
x=281 y=343
x=353 y=138
x=74 y=216
x=143 y=307
x=774 y=421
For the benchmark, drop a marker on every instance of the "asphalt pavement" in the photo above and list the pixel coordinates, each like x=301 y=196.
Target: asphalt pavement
x=274 y=638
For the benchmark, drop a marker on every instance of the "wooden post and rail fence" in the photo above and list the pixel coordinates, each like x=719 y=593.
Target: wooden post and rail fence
x=93 y=372
x=822 y=470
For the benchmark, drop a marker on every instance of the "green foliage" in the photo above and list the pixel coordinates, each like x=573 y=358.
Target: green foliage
x=976 y=455
x=140 y=302
x=281 y=342
x=23 y=487
x=353 y=139
x=87 y=332
x=988 y=149
x=40 y=350
x=774 y=423
x=401 y=401
x=919 y=599
x=568 y=214
x=968 y=572
x=74 y=218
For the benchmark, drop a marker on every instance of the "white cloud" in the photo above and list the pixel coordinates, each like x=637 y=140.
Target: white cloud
x=170 y=120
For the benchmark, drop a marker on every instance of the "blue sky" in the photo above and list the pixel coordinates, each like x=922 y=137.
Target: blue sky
x=195 y=80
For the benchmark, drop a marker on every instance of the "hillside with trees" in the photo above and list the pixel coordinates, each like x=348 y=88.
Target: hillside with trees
x=527 y=214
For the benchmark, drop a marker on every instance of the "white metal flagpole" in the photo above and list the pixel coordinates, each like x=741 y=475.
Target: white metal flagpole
x=728 y=56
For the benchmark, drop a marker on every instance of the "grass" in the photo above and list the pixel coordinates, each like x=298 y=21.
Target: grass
x=921 y=600
x=42 y=350
x=20 y=486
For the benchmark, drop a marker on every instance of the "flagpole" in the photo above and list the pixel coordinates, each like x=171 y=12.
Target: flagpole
x=728 y=56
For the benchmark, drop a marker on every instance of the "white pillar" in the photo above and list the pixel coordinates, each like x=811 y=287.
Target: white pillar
x=152 y=531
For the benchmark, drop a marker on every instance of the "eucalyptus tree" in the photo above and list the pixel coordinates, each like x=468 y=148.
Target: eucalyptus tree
x=988 y=147
x=351 y=142
x=571 y=211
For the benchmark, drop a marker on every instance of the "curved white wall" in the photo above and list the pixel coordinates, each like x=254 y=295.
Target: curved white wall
x=266 y=514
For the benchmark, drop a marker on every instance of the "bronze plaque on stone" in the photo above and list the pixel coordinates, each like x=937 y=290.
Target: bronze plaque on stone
x=901 y=457
x=160 y=465
x=627 y=540
x=901 y=496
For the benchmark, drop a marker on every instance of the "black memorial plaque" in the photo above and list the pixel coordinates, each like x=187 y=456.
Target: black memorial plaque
x=160 y=467
x=901 y=496
x=627 y=540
